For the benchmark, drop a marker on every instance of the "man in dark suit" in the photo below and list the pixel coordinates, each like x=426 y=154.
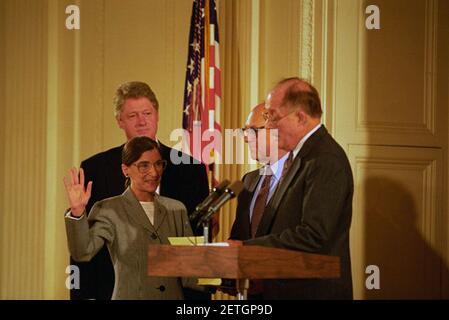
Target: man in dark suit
x=137 y=114
x=265 y=152
x=311 y=208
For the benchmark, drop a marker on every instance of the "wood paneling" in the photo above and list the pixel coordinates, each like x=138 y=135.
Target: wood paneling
x=391 y=86
x=397 y=221
x=390 y=113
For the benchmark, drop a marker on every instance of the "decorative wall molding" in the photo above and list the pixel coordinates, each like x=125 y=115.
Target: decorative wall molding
x=327 y=17
x=384 y=174
x=306 y=43
x=430 y=71
x=426 y=167
x=429 y=108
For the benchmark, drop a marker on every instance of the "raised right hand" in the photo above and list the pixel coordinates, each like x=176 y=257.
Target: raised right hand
x=77 y=195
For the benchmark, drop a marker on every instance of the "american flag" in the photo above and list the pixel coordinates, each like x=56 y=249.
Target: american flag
x=202 y=91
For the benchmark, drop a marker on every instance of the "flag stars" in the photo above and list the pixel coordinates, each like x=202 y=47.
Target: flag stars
x=195 y=45
x=189 y=88
x=191 y=66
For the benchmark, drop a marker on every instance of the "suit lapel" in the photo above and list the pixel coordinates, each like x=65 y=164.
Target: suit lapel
x=243 y=232
x=115 y=181
x=250 y=181
x=165 y=185
x=273 y=205
x=252 y=178
x=160 y=213
x=136 y=212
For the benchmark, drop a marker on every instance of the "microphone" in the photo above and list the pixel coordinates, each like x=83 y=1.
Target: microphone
x=230 y=192
x=203 y=206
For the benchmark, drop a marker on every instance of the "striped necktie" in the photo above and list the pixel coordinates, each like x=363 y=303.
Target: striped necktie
x=261 y=202
x=286 y=166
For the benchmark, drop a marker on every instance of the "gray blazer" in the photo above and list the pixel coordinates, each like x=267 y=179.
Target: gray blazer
x=122 y=224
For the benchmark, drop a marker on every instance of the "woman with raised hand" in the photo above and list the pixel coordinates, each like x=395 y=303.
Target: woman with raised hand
x=128 y=223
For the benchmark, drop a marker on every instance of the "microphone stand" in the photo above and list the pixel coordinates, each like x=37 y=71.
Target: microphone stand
x=206 y=231
x=205 y=222
x=242 y=285
x=228 y=194
x=242 y=289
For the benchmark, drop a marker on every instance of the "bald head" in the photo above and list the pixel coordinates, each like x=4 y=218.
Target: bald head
x=298 y=93
x=255 y=118
x=262 y=145
x=294 y=109
x=296 y=83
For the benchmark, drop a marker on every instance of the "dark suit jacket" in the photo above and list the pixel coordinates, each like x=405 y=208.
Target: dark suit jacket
x=310 y=211
x=184 y=182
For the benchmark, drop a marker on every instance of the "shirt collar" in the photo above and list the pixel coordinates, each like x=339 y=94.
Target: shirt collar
x=274 y=168
x=304 y=139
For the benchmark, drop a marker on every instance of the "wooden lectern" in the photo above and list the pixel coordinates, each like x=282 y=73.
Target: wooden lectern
x=240 y=263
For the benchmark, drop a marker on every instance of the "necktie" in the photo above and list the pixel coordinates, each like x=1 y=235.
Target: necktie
x=286 y=166
x=256 y=285
x=259 y=205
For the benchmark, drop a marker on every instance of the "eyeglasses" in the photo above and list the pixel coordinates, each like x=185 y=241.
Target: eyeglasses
x=145 y=166
x=268 y=117
x=248 y=131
